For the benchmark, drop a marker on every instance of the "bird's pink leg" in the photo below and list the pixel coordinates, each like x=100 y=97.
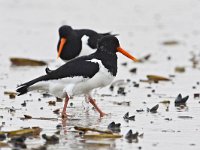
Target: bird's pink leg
x=92 y=101
x=64 y=114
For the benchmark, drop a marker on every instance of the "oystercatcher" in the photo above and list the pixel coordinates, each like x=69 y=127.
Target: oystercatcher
x=70 y=42
x=81 y=75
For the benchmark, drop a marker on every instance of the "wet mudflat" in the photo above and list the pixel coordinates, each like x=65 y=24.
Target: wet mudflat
x=166 y=41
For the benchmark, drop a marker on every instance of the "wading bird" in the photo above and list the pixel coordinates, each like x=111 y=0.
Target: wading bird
x=81 y=75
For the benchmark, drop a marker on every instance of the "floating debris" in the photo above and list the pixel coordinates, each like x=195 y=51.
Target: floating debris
x=133 y=70
x=179 y=100
x=170 y=43
x=38 y=118
x=18 y=142
x=194 y=61
x=50 y=139
x=157 y=78
x=121 y=91
x=114 y=127
x=168 y=119
x=52 y=103
x=165 y=102
x=11 y=95
x=180 y=69
x=148 y=95
x=71 y=104
x=34 y=131
x=3 y=144
x=132 y=137
x=92 y=129
x=153 y=109
x=57 y=111
x=59 y=99
x=102 y=136
x=117 y=83
x=43 y=147
x=196 y=95
x=185 y=117
x=169 y=57
x=145 y=58
x=58 y=126
x=26 y=62
x=126 y=117
x=140 y=110
x=124 y=64
x=23 y=104
x=46 y=95
x=2 y=136
x=27 y=117
x=136 y=84
x=124 y=103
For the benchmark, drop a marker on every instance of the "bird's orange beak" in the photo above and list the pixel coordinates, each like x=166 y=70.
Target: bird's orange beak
x=121 y=50
x=62 y=43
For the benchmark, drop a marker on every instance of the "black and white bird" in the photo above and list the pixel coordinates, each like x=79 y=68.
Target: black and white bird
x=71 y=41
x=81 y=75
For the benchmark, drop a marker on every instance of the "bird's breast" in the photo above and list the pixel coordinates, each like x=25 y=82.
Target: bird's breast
x=101 y=79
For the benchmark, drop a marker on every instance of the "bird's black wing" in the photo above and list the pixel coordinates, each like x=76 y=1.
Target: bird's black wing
x=81 y=66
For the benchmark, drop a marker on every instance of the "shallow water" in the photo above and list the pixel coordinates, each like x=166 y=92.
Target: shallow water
x=29 y=29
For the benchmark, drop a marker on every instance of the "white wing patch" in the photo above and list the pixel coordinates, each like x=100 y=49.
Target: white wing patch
x=86 y=50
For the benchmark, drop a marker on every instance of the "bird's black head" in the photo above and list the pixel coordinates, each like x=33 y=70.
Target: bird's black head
x=65 y=31
x=110 y=45
x=69 y=44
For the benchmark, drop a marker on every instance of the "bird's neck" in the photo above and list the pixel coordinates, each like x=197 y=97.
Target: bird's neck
x=109 y=60
x=87 y=32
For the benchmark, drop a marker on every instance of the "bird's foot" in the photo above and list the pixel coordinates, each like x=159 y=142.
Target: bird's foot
x=64 y=115
x=102 y=114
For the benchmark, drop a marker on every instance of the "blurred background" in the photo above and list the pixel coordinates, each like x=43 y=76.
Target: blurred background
x=166 y=30
x=31 y=27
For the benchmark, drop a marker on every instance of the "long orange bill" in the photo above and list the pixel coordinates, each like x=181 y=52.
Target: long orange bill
x=62 y=43
x=121 y=50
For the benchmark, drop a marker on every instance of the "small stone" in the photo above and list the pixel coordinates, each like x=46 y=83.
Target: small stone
x=59 y=99
x=12 y=96
x=148 y=95
x=124 y=64
x=58 y=126
x=169 y=58
x=154 y=109
x=71 y=104
x=180 y=69
x=136 y=85
x=23 y=104
x=133 y=70
x=52 y=103
x=196 y=95
x=2 y=137
x=121 y=91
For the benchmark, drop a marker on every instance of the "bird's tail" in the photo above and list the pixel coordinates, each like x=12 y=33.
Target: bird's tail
x=105 y=34
x=23 y=88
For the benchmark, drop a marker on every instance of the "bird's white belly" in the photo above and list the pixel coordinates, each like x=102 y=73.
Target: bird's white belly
x=61 y=87
x=76 y=85
x=99 y=80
